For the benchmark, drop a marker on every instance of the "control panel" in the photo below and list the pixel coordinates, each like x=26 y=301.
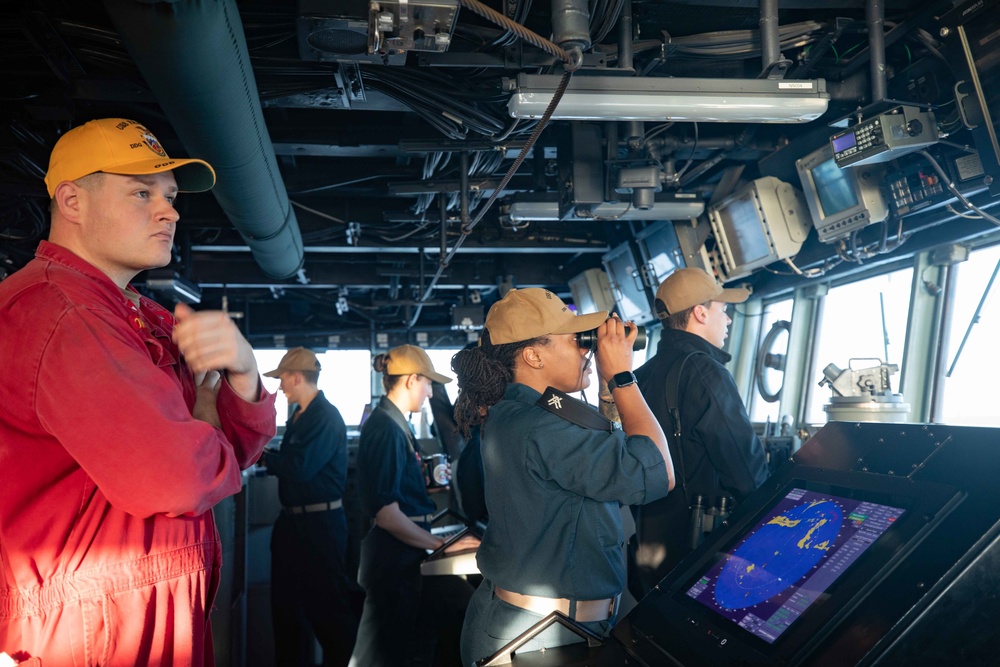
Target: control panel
x=915 y=188
x=885 y=137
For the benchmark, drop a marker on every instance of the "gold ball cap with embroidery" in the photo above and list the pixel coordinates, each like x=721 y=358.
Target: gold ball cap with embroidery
x=296 y=359
x=686 y=288
x=523 y=314
x=410 y=359
x=121 y=146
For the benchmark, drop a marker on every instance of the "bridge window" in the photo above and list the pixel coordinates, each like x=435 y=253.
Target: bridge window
x=442 y=364
x=865 y=321
x=968 y=395
x=344 y=380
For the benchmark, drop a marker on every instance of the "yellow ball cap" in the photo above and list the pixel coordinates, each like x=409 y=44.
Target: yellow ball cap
x=120 y=146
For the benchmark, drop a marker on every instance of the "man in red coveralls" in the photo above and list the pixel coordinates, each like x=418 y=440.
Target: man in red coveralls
x=117 y=432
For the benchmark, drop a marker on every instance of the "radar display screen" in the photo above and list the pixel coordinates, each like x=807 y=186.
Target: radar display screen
x=790 y=558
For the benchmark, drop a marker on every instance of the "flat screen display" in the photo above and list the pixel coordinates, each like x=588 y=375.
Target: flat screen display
x=833 y=187
x=787 y=561
x=745 y=232
x=843 y=142
x=661 y=248
x=623 y=271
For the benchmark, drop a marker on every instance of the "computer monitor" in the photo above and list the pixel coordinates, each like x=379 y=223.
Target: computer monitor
x=763 y=222
x=626 y=278
x=591 y=291
x=789 y=568
x=841 y=201
x=661 y=250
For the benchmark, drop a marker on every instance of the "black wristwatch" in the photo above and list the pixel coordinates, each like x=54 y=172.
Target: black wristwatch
x=623 y=379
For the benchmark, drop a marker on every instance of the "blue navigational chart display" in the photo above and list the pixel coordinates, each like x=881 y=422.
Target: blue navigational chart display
x=790 y=558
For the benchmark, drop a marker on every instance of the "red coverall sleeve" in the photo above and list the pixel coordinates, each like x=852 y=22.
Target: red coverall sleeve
x=127 y=420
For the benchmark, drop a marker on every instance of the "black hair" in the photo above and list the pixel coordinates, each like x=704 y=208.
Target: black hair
x=483 y=374
x=379 y=363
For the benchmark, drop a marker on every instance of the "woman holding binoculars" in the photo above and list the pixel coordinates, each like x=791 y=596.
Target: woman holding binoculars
x=403 y=613
x=556 y=472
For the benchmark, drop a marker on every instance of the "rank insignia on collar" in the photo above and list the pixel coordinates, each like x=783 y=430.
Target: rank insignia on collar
x=574 y=410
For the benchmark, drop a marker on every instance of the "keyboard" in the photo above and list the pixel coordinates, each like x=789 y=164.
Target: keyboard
x=449 y=531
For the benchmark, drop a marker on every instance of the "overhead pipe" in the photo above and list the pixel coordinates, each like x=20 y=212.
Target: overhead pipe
x=770 y=42
x=671 y=144
x=443 y=213
x=571 y=24
x=635 y=132
x=193 y=54
x=898 y=32
x=625 y=46
x=463 y=188
x=875 y=18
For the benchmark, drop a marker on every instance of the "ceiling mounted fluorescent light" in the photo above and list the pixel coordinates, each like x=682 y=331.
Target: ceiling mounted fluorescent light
x=661 y=210
x=171 y=284
x=673 y=99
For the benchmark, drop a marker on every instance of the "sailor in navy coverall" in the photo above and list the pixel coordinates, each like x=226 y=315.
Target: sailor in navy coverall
x=309 y=589
x=408 y=619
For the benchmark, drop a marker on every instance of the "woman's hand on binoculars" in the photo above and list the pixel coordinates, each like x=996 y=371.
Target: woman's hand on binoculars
x=614 y=347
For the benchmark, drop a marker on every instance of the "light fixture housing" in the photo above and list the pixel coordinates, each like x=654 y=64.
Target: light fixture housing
x=679 y=206
x=172 y=284
x=672 y=99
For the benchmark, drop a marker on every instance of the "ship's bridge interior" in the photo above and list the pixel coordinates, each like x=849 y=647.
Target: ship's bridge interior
x=389 y=169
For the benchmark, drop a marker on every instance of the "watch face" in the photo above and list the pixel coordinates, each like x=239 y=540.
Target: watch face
x=622 y=379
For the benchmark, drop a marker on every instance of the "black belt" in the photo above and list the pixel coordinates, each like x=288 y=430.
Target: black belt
x=315 y=507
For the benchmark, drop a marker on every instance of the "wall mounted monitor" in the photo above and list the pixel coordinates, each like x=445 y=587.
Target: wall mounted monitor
x=625 y=276
x=661 y=251
x=791 y=568
x=591 y=291
x=763 y=222
x=841 y=200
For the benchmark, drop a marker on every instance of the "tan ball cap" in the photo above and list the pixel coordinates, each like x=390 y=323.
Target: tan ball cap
x=528 y=313
x=409 y=359
x=685 y=288
x=296 y=359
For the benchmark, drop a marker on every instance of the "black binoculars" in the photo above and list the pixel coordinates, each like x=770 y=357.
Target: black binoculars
x=588 y=339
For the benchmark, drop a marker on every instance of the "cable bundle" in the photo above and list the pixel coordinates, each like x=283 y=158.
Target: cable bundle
x=438 y=100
